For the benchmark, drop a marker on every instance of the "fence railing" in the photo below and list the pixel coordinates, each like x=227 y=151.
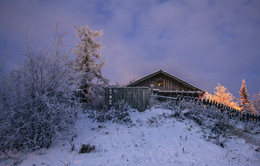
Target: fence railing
x=139 y=98
x=231 y=112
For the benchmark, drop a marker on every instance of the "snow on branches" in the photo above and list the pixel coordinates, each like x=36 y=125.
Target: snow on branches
x=88 y=63
x=222 y=95
x=38 y=101
x=244 y=100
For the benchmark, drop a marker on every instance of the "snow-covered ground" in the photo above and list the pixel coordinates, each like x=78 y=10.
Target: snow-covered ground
x=164 y=141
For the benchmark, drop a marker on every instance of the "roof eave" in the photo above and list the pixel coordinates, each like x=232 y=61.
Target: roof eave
x=167 y=74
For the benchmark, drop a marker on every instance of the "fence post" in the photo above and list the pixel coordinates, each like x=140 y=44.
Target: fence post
x=242 y=116
x=218 y=105
x=203 y=101
x=247 y=116
x=207 y=101
x=151 y=88
x=250 y=117
x=214 y=103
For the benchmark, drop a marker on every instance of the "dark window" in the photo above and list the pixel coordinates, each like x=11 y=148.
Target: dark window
x=160 y=83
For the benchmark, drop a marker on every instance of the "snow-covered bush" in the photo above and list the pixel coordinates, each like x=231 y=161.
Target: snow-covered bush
x=213 y=122
x=217 y=126
x=156 y=121
x=253 y=127
x=37 y=100
x=119 y=113
x=176 y=106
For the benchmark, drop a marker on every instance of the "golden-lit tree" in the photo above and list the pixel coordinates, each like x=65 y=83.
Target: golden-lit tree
x=244 y=100
x=222 y=95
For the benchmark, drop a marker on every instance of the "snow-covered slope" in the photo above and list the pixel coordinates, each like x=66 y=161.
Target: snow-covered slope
x=152 y=140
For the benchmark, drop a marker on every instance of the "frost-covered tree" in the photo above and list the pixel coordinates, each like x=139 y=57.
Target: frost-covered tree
x=2 y=64
x=2 y=72
x=222 y=95
x=88 y=62
x=38 y=101
x=244 y=100
x=256 y=103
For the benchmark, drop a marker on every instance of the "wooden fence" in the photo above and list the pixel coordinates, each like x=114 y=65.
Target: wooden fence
x=223 y=108
x=175 y=93
x=137 y=97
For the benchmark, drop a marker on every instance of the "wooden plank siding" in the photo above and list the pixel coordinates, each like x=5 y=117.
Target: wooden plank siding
x=137 y=97
x=170 y=83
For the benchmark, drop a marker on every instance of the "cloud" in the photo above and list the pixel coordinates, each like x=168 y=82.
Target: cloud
x=203 y=42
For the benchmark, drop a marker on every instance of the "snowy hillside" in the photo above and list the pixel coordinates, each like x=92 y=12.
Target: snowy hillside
x=152 y=139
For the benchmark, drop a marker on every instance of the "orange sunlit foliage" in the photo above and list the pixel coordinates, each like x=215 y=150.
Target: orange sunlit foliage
x=222 y=95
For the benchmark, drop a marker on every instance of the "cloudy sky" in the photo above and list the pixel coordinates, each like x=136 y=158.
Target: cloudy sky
x=203 y=42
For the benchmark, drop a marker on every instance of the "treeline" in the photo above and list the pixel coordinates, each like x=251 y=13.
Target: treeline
x=221 y=95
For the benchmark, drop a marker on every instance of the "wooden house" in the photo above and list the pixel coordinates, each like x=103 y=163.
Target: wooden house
x=167 y=85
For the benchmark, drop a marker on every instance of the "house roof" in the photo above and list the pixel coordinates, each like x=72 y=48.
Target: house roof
x=166 y=74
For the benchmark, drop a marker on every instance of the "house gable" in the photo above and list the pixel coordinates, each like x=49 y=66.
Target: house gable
x=164 y=81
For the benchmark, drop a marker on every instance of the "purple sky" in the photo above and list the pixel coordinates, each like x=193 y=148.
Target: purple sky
x=202 y=42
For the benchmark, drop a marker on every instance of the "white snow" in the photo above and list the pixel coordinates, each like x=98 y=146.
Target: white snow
x=170 y=142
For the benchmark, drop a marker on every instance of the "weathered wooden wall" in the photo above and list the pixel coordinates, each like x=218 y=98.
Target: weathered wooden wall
x=168 y=83
x=137 y=97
